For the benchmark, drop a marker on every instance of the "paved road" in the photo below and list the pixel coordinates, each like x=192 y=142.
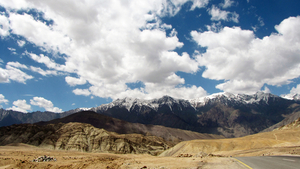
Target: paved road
x=270 y=162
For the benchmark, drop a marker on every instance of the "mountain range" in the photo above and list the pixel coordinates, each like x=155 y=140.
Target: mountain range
x=230 y=115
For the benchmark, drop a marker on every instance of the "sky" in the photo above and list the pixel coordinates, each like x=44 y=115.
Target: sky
x=59 y=55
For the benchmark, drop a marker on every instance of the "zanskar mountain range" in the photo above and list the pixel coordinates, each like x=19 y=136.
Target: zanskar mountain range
x=230 y=115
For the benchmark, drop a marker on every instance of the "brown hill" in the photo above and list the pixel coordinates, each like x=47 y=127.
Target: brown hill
x=284 y=137
x=81 y=137
x=294 y=125
x=123 y=127
x=288 y=119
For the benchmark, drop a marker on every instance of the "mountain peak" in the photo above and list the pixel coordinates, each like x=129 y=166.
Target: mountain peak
x=230 y=98
x=166 y=99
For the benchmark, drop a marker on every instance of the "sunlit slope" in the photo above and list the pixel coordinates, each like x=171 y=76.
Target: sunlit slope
x=284 y=136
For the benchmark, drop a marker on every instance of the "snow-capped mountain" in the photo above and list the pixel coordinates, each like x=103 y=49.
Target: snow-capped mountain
x=130 y=103
x=292 y=97
x=223 y=113
x=234 y=99
x=223 y=98
x=226 y=113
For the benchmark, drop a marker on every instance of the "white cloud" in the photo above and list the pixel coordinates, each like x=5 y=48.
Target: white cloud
x=3 y=100
x=17 y=65
x=43 y=72
x=247 y=62
x=84 y=92
x=227 y=3
x=51 y=64
x=199 y=4
x=44 y=103
x=4 y=26
x=260 y=24
x=12 y=49
x=26 y=26
x=75 y=81
x=21 y=43
x=266 y=90
x=215 y=27
x=13 y=73
x=294 y=91
x=21 y=106
x=217 y=14
x=4 y=77
x=107 y=44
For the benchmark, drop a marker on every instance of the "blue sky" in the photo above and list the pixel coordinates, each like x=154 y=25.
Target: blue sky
x=60 y=55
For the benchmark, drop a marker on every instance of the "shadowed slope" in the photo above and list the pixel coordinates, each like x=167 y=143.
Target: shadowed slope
x=123 y=127
x=81 y=137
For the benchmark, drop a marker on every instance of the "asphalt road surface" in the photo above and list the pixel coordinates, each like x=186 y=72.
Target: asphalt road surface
x=270 y=162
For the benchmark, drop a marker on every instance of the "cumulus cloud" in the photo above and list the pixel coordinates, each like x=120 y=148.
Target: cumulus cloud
x=109 y=44
x=4 y=77
x=227 y=3
x=4 y=26
x=12 y=72
x=245 y=62
x=266 y=90
x=25 y=25
x=21 y=106
x=51 y=64
x=3 y=100
x=72 y=81
x=217 y=14
x=295 y=90
x=43 y=72
x=84 y=92
x=44 y=103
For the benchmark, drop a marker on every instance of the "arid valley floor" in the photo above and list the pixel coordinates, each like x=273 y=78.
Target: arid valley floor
x=201 y=153
x=21 y=156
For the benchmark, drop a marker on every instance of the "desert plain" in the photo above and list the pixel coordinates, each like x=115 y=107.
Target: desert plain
x=21 y=156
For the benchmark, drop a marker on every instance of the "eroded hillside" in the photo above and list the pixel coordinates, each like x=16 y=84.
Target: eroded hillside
x=82 y=137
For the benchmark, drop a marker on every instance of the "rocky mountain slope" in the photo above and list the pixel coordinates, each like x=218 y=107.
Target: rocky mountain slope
x=81 y=137
x=10 y=117
x=288 y=119
x=232 y=115
x=286 y=137
x=123 y=127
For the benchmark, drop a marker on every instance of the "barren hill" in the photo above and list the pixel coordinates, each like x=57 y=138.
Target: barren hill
x=284 y=137
x=81 y=137
x=123 y=127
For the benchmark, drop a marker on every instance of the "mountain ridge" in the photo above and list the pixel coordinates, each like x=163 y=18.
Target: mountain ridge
x=232 y=115
x=123 y=127
x=81 y=137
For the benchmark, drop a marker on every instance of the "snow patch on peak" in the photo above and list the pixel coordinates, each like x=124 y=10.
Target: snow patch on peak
x=126 y=102
x=291 y=96
x=226 y=97
x=130 y=103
